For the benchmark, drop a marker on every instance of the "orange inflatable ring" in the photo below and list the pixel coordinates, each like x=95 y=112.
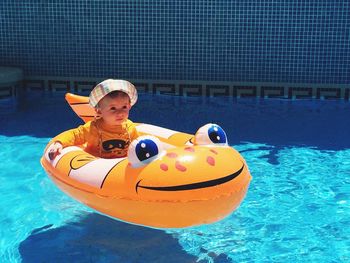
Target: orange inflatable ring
x=189 y=181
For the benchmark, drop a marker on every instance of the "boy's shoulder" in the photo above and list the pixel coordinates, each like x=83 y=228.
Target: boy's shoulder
x=130 y=126
x=129 y=122
x=90 y=125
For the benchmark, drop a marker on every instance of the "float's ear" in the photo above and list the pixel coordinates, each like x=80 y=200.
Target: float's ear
x=81 y=106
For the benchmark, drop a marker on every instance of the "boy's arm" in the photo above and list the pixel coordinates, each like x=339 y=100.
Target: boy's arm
x=71 y=137
x=67 y=138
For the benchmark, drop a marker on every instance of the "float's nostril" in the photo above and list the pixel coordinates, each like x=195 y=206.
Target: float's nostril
x=164 y=167
x=189 y=149
x=211 y=161
x=171 y=155
x=180 y=167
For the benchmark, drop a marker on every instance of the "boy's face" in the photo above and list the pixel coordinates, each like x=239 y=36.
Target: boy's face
x=114 y=110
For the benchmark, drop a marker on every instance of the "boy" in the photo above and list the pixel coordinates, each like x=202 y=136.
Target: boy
x=110 y=135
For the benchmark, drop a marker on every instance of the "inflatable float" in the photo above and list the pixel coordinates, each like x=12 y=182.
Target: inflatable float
x=170 y=179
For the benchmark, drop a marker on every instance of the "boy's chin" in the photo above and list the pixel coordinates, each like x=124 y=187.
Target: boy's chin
x=114 y=122
x=118 y=122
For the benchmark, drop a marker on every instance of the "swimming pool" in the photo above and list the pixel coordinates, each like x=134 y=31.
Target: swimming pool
x=297 y=207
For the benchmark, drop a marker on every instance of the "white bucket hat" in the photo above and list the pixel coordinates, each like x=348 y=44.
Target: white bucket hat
x=109 y=85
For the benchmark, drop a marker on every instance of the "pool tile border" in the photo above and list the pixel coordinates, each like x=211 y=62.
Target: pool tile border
x=198 y=88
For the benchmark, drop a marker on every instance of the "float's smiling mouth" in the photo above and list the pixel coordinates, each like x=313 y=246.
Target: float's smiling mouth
x=199 y=185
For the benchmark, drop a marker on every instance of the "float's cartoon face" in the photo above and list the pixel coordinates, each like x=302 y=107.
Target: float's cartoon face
x=208 y=166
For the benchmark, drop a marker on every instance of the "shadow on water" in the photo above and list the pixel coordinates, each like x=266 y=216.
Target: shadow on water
x=97 y=238
x=282 y=123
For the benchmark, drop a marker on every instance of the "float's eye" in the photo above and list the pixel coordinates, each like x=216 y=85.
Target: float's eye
x=210 y=134
x=144 y=150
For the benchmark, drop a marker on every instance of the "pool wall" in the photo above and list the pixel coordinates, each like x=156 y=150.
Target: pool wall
x=288 y=49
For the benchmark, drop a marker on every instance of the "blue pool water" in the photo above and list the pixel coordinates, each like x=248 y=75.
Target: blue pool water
x=297 y=208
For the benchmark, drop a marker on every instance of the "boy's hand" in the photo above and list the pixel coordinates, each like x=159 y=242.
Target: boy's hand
x=55 y=150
